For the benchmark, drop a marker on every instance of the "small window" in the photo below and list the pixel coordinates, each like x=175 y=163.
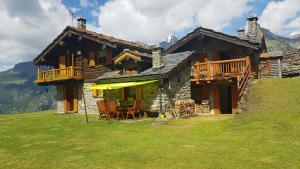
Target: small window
x=91 y=58
x=101 y=57
x=130 y=94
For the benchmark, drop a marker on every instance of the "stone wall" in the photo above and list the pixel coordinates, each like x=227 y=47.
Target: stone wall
x=178 y=87
x=90 y=101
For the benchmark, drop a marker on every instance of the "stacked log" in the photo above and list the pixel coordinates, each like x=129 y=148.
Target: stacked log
x=185 y=107
x=202 y=108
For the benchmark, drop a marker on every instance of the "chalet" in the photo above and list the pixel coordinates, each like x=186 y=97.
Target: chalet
x=208 y=67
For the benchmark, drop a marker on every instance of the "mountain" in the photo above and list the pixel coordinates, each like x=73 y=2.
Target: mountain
x=296 y=36
x=18 y=93
x=279 y=43
x=169 y=42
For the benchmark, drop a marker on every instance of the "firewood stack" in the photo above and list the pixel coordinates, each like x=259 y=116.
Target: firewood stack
x=185 y=107
x=202 y=108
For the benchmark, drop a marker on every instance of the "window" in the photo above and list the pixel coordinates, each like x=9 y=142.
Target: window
x=129 y=95
x=92 y=58
x=101 y=57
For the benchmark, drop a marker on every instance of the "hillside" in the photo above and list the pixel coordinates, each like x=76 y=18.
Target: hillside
x=266 y=136
x=278 y=43
x=18 y=93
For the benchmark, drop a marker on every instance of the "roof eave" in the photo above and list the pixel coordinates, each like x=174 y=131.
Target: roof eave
x=205 y=32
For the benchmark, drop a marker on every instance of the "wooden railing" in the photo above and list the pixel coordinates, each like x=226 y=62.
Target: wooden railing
x=59 y=74
x=210 y=70
x=243 y=78
x=214 y=70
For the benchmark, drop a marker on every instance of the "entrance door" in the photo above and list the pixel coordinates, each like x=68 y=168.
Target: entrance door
x=225 y=99
x=70 y=98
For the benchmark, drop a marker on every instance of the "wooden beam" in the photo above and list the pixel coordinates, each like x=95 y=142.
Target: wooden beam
x=39 y=71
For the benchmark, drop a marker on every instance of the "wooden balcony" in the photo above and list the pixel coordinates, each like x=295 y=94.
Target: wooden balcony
x=69 y=73
x=224 y=69
x=213 y=70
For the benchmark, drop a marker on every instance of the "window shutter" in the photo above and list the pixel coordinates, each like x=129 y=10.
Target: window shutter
x=94 y=92
x=92 y=58
x=108 y=56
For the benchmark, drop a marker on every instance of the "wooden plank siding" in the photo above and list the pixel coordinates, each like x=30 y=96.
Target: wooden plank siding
x=92 y=72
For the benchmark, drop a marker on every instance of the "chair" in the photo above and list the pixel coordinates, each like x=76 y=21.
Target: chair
x=112 y=109
x=135 y=109
x=102 y=109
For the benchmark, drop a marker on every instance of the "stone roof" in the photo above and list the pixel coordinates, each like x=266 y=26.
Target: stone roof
x=171 y=62
x=213 y=34
x=98 y=37
x=291 y=64
x=271 y=54
x=110 y=39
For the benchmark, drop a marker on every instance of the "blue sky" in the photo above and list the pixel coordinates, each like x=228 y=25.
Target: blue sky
x=27 y=27
x=257 y=7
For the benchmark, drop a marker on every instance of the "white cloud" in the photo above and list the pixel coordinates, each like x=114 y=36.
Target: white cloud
x=151 y=21
x=88 y=3
x=282 y=17
x=84 y=3
x=27 y=27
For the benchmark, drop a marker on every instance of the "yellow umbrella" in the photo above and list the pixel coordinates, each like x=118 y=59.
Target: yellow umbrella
x=119 y=85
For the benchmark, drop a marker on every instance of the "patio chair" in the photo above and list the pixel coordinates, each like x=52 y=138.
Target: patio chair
x=135 y=109
x=112 y=109
x=102 y=109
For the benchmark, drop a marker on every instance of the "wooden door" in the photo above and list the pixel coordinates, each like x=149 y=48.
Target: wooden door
x=225 y=99
x=71 y=98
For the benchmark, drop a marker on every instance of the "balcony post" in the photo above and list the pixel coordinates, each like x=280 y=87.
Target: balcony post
x=72 y=67
x=208 y=68
x=39 y=71
x=72 y=59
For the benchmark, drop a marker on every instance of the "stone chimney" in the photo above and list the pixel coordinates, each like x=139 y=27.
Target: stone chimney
x=81 y=23
x=252 y=27
x=241 y=33
x=157 y=61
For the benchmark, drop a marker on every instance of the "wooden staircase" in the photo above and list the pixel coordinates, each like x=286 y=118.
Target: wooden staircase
x=244 y=77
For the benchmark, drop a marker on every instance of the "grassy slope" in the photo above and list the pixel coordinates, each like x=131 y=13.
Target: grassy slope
x=267 y=137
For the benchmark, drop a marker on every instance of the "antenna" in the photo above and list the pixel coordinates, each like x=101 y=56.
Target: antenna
x=72 y=15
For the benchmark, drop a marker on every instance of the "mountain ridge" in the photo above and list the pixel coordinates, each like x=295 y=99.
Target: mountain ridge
x=279 y=43
x=18 y=93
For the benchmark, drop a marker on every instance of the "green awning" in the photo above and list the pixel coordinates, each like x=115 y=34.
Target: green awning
x=119 y=85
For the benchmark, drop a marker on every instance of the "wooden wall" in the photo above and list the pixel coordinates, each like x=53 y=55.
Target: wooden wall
x=92 y=72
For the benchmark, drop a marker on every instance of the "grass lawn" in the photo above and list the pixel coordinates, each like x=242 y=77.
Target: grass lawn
x=267 y=136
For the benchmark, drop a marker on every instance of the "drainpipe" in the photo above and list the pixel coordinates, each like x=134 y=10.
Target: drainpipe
x=160 y=94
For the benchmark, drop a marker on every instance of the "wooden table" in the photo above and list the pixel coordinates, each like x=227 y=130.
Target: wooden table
x=148 y=111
